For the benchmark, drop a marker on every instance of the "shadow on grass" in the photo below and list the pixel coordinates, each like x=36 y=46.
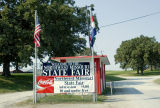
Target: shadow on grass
x=151 y=73
x=16 y=82
x=113 y=78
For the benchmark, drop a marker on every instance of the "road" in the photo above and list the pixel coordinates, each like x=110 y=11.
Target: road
x=8 y=99
x=135 y=92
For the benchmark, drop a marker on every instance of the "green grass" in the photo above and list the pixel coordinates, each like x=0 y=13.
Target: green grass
x=115 y=75
x=16 y=82
x=60 y=98
x=101 y=98
x=133 y=73
x=64 y=99
x=157 y=81
x=106 y=91
x=113 y=78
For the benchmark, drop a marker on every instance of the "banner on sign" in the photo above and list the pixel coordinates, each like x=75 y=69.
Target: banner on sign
x=66 y=69
x=65 y=78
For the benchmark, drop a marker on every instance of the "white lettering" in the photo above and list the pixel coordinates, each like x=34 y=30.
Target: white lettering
x=45 y=82
x=44 y=73
x=64 y=72
x=54 y=73
x=87 y=72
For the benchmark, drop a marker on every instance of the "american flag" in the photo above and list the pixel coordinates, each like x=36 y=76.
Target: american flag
x=36 y=32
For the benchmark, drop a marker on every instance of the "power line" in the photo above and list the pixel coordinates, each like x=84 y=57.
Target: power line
x=155 y=13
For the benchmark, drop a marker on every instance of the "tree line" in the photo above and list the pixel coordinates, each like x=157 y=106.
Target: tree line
x=139 y=54
x=61 y=26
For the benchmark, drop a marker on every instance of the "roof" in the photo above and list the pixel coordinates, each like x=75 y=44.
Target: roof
x=104 y=58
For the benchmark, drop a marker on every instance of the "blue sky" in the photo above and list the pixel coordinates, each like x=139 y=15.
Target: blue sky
x=111 y=11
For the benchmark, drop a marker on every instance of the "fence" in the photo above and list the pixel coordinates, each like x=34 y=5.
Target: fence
x=111 y=85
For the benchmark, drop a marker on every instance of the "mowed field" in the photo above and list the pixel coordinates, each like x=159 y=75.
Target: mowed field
x=17 y=82
x=118 y=75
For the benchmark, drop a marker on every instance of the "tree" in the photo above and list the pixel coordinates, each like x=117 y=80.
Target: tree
x=153 y=59
x=61 y=29
x=15 y=34
x=138 y=53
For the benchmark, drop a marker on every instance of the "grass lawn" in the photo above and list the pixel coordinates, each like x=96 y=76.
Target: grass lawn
x=64 y=99
x=133 y=73
x=110 y=78
x=115 y=75
x=59 y=98
x=157 y=81
x=16 y=82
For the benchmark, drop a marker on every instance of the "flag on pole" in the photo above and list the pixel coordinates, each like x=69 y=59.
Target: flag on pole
x=36 y=32
x=93 y=32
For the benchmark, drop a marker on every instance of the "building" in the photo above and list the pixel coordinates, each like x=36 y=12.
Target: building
x=99 y=60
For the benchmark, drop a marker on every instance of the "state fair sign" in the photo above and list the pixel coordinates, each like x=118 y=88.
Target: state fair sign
x=66 y=78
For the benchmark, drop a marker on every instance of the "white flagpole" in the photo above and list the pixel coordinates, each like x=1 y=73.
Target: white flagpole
x=94 y=94
x=35 y=72
x=94 y=72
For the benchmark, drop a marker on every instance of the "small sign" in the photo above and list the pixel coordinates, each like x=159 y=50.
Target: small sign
x=45 y=84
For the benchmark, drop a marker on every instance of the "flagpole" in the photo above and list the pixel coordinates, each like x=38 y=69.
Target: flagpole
x=35 y=81
x=94 y=94
x=87 y=20
x=94 y=72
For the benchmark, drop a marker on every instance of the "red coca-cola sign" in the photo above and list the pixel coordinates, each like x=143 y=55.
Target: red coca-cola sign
x=45 y=84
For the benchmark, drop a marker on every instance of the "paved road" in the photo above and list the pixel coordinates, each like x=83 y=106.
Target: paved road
x=135 y=92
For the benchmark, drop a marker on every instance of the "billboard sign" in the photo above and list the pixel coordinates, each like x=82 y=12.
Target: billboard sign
x=65 y=78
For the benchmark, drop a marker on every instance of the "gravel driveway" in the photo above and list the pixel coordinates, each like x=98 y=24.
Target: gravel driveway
x=7 y=99
x=135 y=92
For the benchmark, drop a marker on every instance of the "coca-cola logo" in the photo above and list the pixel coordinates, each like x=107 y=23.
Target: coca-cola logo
x=45 y=82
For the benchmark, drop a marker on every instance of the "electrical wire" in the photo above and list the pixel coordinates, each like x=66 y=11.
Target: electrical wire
x=155 y=13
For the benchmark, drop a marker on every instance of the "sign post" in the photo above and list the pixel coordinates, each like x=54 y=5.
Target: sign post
x=94 y=75
x=35 y=69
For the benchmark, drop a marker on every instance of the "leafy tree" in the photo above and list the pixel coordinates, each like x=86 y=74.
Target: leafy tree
x=138 y=53
x=153 y=59
x=15 y=29
x=61 y=29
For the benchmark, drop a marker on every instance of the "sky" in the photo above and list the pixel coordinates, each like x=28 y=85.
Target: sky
x=112 y=11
